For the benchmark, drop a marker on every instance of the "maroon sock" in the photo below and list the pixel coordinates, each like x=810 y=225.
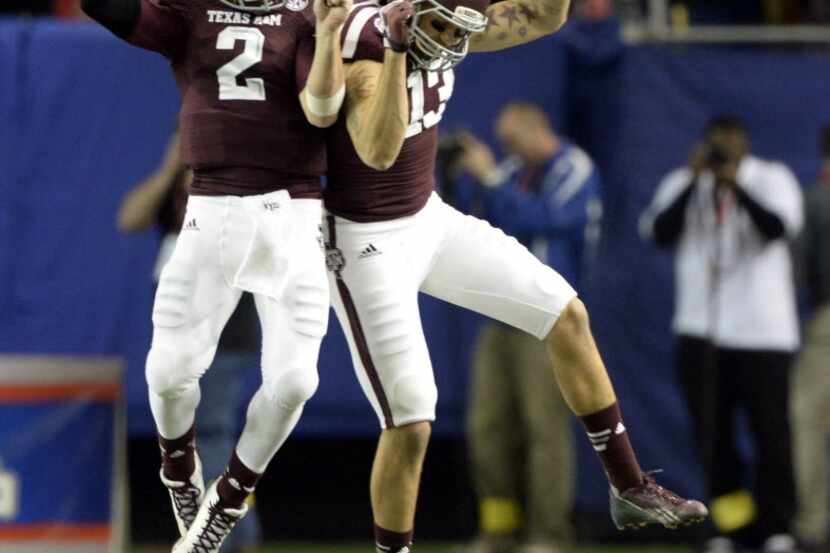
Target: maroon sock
x=178 y=458
x=610 y=440
x=387 y=541
x=236 y=484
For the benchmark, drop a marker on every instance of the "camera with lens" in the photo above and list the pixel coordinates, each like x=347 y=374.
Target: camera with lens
x=717 y=157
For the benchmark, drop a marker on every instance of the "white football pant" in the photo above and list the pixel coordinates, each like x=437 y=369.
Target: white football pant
x=377 y=270
x=269 y=245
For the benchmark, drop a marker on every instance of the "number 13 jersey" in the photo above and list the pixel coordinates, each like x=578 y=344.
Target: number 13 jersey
x=243 y=130
x=357 y=192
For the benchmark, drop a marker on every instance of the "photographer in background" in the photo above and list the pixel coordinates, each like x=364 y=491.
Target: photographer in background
x=811 y=379
x=547 y=196
x=729 y=217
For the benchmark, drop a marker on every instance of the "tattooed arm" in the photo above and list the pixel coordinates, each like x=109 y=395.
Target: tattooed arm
x=515 y=22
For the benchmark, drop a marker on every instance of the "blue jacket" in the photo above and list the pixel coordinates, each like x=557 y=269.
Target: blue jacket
x=557 y=217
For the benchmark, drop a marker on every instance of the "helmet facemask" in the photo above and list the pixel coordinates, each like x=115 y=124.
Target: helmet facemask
x=428 y=53
x=255 y=6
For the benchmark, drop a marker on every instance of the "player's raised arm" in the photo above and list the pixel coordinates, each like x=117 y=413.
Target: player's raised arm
x=377 y=103
x=325 y=89
x=515 y=22
x=155 y=25
x=119 y=16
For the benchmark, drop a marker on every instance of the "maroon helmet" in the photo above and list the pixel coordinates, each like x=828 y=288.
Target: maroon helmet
x=467 y=15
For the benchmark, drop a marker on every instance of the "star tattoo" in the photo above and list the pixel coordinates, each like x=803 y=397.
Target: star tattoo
x=510 y=15
x=528 y=12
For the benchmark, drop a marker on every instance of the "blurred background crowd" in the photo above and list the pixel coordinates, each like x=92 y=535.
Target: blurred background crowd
x=683 y=189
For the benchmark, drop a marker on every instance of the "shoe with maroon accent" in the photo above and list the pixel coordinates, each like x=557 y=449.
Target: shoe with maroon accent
x=212 y=525
x=651 y=503
x=186 y=497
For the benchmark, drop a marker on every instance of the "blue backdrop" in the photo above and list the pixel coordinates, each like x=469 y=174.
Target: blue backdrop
x=86 y=117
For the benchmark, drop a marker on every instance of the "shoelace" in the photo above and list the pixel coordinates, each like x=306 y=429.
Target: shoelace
x=187 y=504
x=651 y=483
x=216 y=528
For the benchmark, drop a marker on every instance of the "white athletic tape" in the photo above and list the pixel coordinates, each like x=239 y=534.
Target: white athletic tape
x=326 y=107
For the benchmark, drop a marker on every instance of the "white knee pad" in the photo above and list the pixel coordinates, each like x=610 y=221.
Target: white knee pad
x=413 y=398
x=177 y=360
x=169 y=370
x=290 y=390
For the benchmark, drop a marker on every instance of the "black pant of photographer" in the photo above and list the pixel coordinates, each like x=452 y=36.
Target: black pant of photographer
x=718 y=383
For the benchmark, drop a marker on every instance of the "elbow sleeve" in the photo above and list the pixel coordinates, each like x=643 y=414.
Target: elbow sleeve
x=670 y=223
x=119 y=16
x=667 y=230
x=771 y=226
x=769 y=223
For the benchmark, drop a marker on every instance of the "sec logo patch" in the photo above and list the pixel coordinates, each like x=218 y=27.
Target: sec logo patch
x=296 y=5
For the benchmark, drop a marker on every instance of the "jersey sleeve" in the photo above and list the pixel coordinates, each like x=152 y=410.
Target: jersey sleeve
x=162 y=27
x=361 y=36
x=119 y=16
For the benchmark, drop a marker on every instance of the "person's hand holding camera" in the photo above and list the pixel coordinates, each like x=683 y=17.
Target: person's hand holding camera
x=726 y=174
x=713 y=157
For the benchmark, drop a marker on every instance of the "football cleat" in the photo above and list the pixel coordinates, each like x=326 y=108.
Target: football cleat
x=651 y=503
x=212 y=525
x=186 y=497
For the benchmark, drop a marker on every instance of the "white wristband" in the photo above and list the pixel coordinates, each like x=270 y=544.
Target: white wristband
x=325 y=107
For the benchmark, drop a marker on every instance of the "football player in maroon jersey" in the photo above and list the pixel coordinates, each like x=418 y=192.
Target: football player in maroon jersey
x=390 y=237
x=254 y=75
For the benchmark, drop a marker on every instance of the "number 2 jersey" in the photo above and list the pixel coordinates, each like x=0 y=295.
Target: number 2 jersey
x=242 y=126
x=354 y=190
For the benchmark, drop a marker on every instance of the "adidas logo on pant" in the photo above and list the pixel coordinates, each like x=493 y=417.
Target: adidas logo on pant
x=369 y=251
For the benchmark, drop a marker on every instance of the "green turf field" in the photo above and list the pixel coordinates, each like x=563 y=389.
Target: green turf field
x=428 y=548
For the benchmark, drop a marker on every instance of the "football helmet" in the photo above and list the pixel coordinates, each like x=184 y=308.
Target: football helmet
x=255 y=6
x=468 y=16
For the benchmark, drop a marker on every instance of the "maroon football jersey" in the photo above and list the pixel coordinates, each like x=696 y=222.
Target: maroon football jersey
x=240 y=74
x=354 y=190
